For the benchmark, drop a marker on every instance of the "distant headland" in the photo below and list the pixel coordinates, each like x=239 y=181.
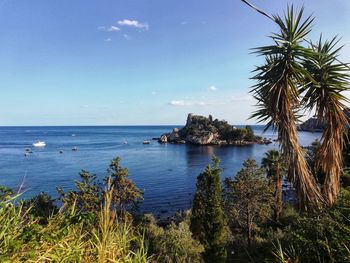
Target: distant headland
x=315 y=125
x=201 y=130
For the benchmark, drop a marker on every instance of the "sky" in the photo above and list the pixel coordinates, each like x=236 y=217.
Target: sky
x=139 y=62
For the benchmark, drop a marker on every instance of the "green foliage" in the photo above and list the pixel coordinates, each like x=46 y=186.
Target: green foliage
x=345 y=178
x=322 y=237
x=5 y=193
x=90 y=192
x=70 y=234
x=125 y=194
x=250 y=136
x=87 y=197
x=13 y=223
x=248 y=199
x=208 y=221
x=42 y=207
x=201 y=125
x=275 y=167
x=172 y=244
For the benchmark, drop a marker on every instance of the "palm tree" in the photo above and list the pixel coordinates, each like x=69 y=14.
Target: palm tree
x=324 y=95
x=274 y=164
x=277 y=92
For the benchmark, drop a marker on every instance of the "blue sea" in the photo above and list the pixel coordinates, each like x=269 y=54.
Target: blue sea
x=165 y=172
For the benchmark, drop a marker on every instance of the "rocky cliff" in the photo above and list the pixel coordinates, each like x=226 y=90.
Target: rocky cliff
x=314 y=125
x=202 y=130
x=311 y=125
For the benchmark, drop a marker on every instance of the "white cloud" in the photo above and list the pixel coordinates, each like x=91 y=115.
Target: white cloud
x=113 y=28
x=109 y=29
x=133 y=23
x=213 y=88
x=182 y=103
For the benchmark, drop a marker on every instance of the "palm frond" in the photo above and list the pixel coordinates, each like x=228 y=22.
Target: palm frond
x=277 y=91
x=325 y=95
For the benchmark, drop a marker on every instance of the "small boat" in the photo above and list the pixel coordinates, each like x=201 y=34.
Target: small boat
x=61 y=151
x=146 y=142
x=39 y=144
x=125 y=142
x=75 y=148
x=26 y=154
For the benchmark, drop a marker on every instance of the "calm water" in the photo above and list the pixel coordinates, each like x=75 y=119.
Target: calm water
x=166 y=173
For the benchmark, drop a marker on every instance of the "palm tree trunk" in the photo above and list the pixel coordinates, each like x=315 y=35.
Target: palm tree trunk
x=308 y=191
x=330 y=156
x=278 y=195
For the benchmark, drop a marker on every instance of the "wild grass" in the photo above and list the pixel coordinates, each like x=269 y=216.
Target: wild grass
x=69 y=236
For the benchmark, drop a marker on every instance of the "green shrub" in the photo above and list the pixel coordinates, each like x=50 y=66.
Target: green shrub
x=172 y=244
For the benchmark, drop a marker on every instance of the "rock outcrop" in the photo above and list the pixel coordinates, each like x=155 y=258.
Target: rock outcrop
x=315 y=125
x=200 y=130
x=311 y=125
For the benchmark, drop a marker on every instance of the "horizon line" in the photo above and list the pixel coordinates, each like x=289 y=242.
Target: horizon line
x=110 y=125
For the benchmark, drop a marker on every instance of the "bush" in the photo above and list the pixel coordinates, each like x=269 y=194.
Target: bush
x=172 y=244
x=322 y=237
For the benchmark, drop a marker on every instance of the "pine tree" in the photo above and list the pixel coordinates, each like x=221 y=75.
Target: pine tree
x=248 y=198
x=208 y=221
x=125 y=195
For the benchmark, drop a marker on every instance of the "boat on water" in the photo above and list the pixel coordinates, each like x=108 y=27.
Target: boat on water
x=39 y=144
x=146 y=142
x=75 y=149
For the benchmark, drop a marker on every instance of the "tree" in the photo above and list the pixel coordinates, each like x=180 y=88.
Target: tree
x=248 y=197
x=42 y=206
x=277 y=90
x=125 y=194
x=250 y=133
x=87 y=197
x=274 y=164
x=208 y=221
x=324 y=95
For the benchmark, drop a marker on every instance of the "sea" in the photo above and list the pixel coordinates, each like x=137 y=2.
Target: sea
x=166 y=173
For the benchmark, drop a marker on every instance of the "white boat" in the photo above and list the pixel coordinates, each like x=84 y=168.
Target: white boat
x=39 y=144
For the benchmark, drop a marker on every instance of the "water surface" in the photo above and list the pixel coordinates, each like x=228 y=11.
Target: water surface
x=165 y=172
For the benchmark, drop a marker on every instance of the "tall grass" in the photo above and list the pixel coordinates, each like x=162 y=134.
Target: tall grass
x=69 y=236
x=115 y=239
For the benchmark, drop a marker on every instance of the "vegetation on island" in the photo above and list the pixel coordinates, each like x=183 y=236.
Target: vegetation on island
x=240 y=219
x=202 y=130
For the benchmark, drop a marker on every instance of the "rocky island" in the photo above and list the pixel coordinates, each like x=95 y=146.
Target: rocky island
x=200 y=130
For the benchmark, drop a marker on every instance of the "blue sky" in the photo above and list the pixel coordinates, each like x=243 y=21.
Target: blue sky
x=138 y=61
